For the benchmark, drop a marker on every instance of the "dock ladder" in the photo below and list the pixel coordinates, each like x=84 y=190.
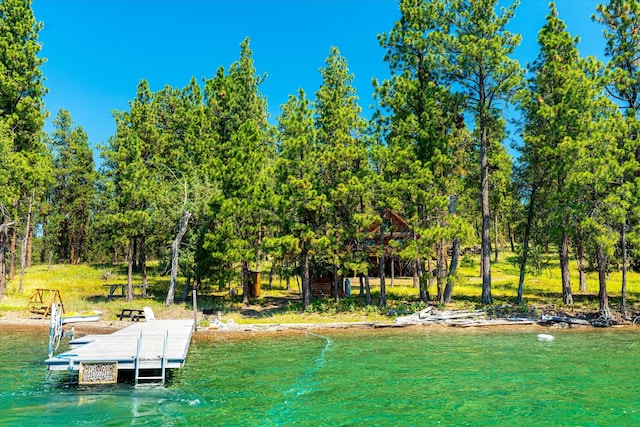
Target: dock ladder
x=163 y=361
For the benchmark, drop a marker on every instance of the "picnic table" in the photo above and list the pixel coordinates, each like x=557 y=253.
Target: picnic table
x=132 y=313
x=138 y=290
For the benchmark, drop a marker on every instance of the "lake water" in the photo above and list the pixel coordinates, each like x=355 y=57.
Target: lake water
x=384 y=377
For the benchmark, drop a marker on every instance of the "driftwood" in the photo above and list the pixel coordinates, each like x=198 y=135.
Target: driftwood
x=456 y=318
x=563 y=319
x=429 y=315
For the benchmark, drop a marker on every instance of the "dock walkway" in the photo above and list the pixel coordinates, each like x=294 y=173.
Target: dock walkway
x=122 y=347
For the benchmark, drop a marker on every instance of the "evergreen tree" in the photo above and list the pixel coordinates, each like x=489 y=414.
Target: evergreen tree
x=621 y=19
x=71 y=198
x=7 y=195
x=425 y=159
x=302 y=205
x=571 y=130
x=130 y=162
x=478 y=61
x=242 y=145
x=21 y=80
x=342 y=158
x=21 y=109
x=551 y=119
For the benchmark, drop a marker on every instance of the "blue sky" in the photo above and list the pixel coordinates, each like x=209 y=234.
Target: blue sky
x=98 y=50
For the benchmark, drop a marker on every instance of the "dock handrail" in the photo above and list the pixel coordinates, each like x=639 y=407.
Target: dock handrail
x=55 y=328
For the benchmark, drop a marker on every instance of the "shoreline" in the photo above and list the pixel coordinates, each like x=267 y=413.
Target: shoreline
x=253 y=330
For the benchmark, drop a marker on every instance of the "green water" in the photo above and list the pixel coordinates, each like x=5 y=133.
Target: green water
x=372 y=378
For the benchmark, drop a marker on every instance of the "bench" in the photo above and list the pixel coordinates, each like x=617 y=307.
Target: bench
x=132 y=313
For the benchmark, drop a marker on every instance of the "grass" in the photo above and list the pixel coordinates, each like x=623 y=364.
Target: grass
x=82 y=288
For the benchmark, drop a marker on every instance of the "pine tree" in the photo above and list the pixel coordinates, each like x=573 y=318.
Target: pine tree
x=129 y=160
x=72 y=195
x=21 y=80
x=342 y=158
x=425 y=159
x=22 y=110
x=478 y=60
x=571 y=130
x=621 y=19
x=6 y=197
x=242 y=143
x=302 y=204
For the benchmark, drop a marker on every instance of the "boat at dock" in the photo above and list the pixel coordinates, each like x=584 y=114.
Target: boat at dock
x=81 y=316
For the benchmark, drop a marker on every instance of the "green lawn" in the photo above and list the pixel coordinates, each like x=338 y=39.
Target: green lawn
x=82 y=288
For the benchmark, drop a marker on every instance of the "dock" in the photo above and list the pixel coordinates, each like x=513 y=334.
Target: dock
x=155 y=345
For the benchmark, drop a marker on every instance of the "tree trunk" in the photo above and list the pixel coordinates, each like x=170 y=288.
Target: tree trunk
x=3 y=272
x=306 y=280
x=336 y=283
x=194 y=298
x=496 y=238
x=381 y=265
x=525 y=244
x=72 y=248
x=567 y=296
x=428 y=275
x=602 y=280
x=288 y=276
x=441 y=271
x=623 y=292
x=453 y=270
x=245 y=282
x=416 y=277
x=134 y=255
x=455 y=256
x=582 y=269
x=259 y=250
x=271 y=273
x=143 y=260
x=393 y=269
x=24 y=243
x=12 y=253
x=43 y=252
x=486 y=217
x=186 y=289
x=130 y=270
x=4 y=240
x=511 y=238
x=175 y=254
x=63 y=236
x=361 y=283
x=30 y=248
x=422 y=281
x=367 y=288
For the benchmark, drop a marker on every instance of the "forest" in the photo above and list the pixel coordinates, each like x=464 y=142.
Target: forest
x=201 y=179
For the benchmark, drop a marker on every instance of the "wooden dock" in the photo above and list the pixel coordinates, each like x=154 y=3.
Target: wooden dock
x=153 y=345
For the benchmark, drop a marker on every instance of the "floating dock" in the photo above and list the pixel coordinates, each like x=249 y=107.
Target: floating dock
x=155 y=345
